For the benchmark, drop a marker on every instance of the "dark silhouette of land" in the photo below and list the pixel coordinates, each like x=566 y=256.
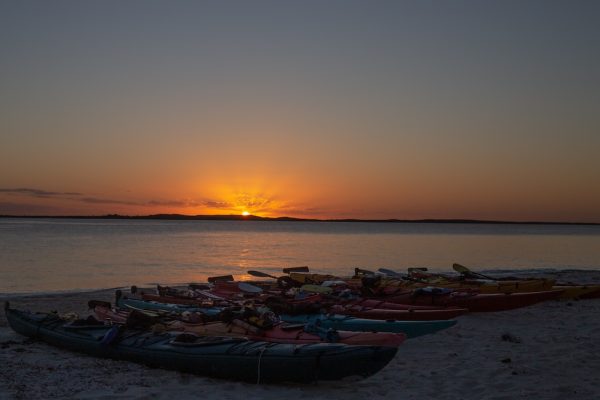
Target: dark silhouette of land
x=233 y=217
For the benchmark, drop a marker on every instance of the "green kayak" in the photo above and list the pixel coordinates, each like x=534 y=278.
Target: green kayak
x=219 y=357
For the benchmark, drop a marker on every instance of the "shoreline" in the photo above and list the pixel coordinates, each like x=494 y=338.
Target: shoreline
x=230 y=217
x=552 y=351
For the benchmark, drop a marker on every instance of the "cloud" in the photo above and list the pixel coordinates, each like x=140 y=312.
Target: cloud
x=72 y=196
x=217 y=204
x=37 y=192
x=96 y=200
x=82 y=198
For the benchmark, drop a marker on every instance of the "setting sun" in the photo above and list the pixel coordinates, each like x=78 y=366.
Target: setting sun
x=245 y=213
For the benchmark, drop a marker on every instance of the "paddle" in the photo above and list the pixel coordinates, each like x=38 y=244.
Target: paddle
x=296 y=269
x=261 y=274
x=466 y=271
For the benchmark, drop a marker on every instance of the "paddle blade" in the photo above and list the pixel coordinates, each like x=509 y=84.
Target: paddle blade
x=468 y=273
x=260 y=274
x=296 y=269
x=461 y=268
x=224 y=278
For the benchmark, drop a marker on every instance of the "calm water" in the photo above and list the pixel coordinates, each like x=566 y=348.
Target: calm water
x=64 y=254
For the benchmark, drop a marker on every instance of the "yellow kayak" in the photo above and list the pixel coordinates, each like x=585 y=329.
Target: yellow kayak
x=484 y=286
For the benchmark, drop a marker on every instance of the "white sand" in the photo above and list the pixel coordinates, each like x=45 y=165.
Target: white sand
x=558 y=357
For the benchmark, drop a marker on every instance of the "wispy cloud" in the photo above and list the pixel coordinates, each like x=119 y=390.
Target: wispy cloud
x=37 y=192
x=72 y=196
x=217 y=204
x=96 y=200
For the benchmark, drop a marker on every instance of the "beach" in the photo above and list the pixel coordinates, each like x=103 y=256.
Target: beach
x=546 y=351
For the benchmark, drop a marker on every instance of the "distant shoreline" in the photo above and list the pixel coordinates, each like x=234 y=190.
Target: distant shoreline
x=181 y=217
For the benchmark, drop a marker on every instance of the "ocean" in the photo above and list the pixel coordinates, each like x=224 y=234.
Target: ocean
x=46 y=255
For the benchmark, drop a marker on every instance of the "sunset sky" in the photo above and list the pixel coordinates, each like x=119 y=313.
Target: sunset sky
x=320 y=109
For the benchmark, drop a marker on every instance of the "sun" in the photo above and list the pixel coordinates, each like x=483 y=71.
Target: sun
x=245 y=213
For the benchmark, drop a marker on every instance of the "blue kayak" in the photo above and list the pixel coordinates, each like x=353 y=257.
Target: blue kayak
x=345 y=323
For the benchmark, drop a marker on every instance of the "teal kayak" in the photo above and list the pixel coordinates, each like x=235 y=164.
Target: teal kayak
x=219 y=357
x=137 y=304
x=345 y=323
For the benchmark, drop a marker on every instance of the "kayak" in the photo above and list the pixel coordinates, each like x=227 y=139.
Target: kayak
x=411 y=329
x=219 y=357
x=137 y=304
x=473 y=301
x=386 y=305
x=379 y=309
x=492 y=287
x=362 y=308
x=401 y=315
x=393 y=284
x=190 y=301
x=281 y=333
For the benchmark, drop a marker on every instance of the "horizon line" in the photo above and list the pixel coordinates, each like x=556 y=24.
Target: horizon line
x=237 y=217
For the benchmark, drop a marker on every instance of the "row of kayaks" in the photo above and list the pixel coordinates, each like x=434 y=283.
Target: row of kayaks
x=305 y=327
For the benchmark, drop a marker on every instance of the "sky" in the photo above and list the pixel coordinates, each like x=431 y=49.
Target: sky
x=318 y=109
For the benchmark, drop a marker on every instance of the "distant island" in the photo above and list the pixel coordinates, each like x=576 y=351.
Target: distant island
x=235 y=217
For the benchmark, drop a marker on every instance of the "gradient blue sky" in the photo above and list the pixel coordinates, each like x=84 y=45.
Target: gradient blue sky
x=368 y=109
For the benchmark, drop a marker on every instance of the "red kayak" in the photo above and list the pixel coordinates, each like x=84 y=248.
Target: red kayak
x=387 y=305
x=473 y=301
x=411 y=314
x=281 y=333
